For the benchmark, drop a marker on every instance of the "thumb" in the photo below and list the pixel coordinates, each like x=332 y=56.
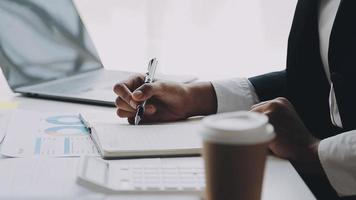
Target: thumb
x=146 y=91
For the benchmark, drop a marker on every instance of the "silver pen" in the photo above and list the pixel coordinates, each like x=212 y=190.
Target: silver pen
x=140 y=111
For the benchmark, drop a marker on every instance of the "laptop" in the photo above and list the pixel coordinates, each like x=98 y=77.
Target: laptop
x=46 y=51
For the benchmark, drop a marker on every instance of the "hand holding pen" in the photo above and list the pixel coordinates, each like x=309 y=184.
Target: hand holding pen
x=150 y=74
x=162 y=101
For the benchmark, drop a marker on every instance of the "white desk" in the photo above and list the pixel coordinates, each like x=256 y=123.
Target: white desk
x=281 y=180
x=128 y=32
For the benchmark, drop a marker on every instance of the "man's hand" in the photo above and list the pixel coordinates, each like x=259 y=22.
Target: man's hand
x=293 y=140
x=166 y=101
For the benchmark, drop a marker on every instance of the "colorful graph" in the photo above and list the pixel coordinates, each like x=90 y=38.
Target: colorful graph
x=65 y=120
x=66 y=146
x=66 y=130
x=64 y=134
x=65 y=125
x=49 y=134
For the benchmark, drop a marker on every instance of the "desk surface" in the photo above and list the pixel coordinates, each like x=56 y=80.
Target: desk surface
x=281 y=180
x=226 y=21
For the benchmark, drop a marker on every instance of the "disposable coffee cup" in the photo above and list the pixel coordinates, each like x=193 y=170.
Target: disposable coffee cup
x=235 y=147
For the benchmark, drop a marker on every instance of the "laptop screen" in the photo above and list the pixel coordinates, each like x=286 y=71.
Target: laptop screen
x=43 y=40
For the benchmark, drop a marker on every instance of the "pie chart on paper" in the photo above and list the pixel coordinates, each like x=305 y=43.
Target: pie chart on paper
x=64 y=120
x=66 y=130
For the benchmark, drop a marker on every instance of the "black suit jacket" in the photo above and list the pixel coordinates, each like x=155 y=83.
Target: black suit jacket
x=304 y=81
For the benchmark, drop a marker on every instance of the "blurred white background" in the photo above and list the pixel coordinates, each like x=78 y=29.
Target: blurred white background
x=211 y=39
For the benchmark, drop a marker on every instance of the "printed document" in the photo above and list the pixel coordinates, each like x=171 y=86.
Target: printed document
x=31 y=133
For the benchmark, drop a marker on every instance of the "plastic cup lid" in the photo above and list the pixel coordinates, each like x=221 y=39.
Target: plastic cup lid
x=241 y=127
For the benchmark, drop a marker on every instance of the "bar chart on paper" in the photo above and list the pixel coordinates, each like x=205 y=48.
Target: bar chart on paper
x=47 y=134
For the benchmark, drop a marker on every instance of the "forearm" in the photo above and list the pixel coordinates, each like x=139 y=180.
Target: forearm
x=202 y=99
x=308 y=161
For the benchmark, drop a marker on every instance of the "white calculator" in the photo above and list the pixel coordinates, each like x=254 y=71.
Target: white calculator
x=166 y=175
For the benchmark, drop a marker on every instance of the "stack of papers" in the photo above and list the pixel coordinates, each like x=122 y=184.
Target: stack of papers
x=6 y=109
x=31 y=133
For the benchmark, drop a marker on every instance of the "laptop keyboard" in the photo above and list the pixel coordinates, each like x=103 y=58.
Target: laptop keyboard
x=74 y=85
x=93 y=85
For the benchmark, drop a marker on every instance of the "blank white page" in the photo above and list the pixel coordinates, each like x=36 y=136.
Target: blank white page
x=178 y=135
x=116 y=136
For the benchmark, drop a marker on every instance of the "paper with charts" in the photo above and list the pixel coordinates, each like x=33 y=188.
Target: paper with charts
x=32 y=133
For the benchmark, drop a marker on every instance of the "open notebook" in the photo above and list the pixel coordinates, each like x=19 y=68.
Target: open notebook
x=115 y=138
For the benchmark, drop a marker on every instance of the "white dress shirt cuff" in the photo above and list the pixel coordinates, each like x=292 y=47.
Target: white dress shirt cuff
x=234 y=94
x=337 y=155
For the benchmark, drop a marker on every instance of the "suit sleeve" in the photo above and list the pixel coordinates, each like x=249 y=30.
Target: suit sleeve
x=270 y=86
x=241 y=93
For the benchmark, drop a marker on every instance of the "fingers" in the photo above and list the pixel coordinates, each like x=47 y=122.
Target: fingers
x=128 y=113
x=124 y=113
x=132 y=92
x=123 y=105
x=261 y=107
x=275 y=104
x=131 y=84
x=146 y=91
x=124 y=94
x=123 y=89
x=259 y=104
